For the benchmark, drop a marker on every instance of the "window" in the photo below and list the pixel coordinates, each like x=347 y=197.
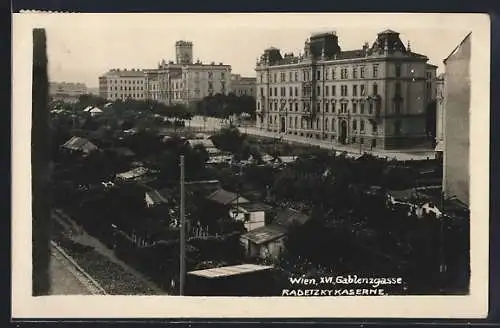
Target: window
x=375 y=89
x=375 y=71
x=326 y=74
x=333 y=73
x=343 y=108
x=291 y=92
x=333 y=124
x=343 y=90
x=270 y=92
x=275 y=77
x=398 y=70
x=374 y=128
x=210 y=75
x=363 y=90
x=296 y=121
x=362 y=108
x=318 y=75
x=296 y=76
x=318 y=90
x=325 y=124
x=354 y=73
x=296 y=107
x=326 y=107
x=333 y=107
x=354 y=108
x=261 y=77
x=354 y=125
x=290 y=121
x=296 y=92
x=354 y=90
x=398 y=89
x=334 y=90
x=343 y=73
x=370 y=108
x=276 y=91
x=262 y=92
x=222 y=75
x=327 y=90
x=290 y=76
x=318 y=107
x=362 y=72
x=362 y=125
x=397 y=107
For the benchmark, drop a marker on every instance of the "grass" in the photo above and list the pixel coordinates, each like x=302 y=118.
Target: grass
x=111 y=276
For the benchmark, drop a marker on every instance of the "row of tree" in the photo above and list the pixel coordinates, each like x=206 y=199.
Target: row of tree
x=224 y=106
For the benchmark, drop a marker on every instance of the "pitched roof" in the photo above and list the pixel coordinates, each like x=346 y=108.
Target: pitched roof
x=265 y=234
x=255 y=207
x=225 y=197
x=134 y=173
x=159 y=196
x=457 y=47
x=78 y=143
x=207 y=143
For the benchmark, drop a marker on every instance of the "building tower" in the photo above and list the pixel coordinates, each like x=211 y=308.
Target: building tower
x=184 y=52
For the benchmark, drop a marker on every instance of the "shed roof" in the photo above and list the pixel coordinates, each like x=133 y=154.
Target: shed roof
x=265 y=234
x=225 y=197
x=229 y=270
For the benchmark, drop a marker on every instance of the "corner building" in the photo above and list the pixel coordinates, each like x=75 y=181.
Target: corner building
x=373 y=97
x=186 y=82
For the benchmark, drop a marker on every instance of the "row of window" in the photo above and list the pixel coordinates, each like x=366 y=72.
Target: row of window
x=126 y=81
x=125 y=88
x=328 y=125
x=328 y=90
x=330 y=74
x=126 y=96
x=326 y=107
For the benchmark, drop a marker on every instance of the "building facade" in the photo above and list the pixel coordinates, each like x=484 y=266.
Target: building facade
x=373 y=97
x=67 y=92
x=124 y=84
x=440 y=108
x=456 y=122
x=186 y=82
x=243 y=86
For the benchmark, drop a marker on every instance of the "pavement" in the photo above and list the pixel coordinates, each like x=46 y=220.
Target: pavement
x=214 y=124
x=67 y=278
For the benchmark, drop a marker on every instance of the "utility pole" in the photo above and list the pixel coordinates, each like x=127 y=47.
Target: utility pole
x=183 y=233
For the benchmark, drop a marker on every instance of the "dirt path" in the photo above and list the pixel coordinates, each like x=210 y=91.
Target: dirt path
x=80 y=236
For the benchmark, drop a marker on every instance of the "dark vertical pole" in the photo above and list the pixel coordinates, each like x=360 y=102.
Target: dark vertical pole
x=40 y=167
x=183 y=233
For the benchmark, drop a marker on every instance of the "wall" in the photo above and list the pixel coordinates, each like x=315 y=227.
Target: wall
x=456 y=152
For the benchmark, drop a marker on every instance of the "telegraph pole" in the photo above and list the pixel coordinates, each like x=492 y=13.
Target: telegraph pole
x=183 y=233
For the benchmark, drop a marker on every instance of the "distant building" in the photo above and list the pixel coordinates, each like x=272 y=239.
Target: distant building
x=243 y=86
x=372 y=97
x=186 y=82
x=456 y=173
x=269 y=240
x=123 y=84
x=66 y=91
x=79 y=144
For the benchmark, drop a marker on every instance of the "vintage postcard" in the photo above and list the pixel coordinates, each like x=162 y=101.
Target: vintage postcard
x=250 y=165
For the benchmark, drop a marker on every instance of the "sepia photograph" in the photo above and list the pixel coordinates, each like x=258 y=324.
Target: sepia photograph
x=261 y=158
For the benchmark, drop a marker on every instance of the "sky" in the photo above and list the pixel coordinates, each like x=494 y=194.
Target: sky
x=81 y=47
